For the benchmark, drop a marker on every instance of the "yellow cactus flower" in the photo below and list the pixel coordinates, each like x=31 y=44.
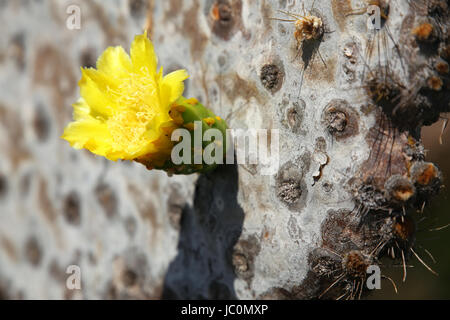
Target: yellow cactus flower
x=128 y=110
x=123 y=112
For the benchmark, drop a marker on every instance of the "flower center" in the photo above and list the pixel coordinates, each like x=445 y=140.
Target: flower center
x=138 y=104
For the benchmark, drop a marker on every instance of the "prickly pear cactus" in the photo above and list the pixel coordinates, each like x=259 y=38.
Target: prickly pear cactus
x=348 y=96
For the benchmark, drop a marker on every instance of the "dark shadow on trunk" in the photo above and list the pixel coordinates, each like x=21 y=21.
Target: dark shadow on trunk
x=210 y=229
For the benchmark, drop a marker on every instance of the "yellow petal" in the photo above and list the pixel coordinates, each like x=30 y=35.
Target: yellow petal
x=143 y=55
x=81 y=110
x=172 y=86
x=90 y=134
x=115 y=63
x=93 y=90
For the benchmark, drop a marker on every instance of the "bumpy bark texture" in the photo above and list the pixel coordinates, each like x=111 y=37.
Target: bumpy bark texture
x=349 y=106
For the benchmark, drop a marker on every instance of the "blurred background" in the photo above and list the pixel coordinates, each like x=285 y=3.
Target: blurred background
x=60 y=207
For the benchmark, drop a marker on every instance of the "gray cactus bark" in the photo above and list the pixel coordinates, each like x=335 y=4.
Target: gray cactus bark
x=349 y=106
